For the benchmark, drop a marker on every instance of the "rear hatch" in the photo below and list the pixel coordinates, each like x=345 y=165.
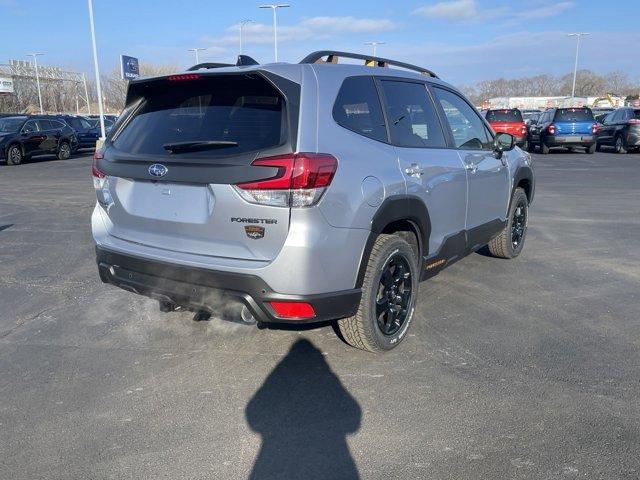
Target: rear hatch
x=574 y=121
x=507 y=121
x=185 y=140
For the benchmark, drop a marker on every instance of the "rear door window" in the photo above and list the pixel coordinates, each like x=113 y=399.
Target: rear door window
x=512 y=115
x=234 y=114
x=44 y=125
x=357 y=108
x=467 y=128
x=412 y=117
x=636 y=114
x=574 y=115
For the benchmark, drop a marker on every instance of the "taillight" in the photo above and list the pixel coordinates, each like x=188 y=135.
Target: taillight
x=551 y=129
x=524 y=129
x=101 y=181
x=95 y=171
x=293 y=310
x=300 y=181
x=634 y=121
x=595 y=128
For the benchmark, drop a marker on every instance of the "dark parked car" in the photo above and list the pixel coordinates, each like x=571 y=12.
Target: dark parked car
x=564 y=128
x=621 y=130
x=24 y=136
x=529 y=115
x=86 y=130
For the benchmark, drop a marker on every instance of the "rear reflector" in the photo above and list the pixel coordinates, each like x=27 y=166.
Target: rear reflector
x=300 y=180
x=184 y=76
x=293 y=310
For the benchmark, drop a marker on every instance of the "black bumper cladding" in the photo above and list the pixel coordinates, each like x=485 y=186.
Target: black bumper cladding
x=202 y=289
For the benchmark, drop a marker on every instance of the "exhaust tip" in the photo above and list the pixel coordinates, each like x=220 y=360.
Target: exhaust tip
x=247 y=316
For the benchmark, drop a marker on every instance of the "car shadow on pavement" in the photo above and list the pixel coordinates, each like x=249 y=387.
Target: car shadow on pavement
x=303 y=413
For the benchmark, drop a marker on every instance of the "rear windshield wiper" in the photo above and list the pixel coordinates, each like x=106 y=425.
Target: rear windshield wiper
x=196 y=145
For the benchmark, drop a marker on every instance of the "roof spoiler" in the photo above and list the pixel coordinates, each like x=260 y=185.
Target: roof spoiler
x=243 y=61
x=369 y=61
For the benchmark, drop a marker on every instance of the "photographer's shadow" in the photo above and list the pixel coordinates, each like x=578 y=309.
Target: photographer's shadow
x=303 y=414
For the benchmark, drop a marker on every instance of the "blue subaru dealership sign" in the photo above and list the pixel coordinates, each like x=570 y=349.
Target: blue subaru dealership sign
x=129 y=67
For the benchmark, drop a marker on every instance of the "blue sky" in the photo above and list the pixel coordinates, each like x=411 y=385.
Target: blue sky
x=462 y=40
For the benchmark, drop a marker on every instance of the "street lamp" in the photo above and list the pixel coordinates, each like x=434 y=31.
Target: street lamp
x=575 y=66
x=196 y=50
x=275 y=7
x=374 y=45
x=242 y=24
x=35 y=61
x=97 y=69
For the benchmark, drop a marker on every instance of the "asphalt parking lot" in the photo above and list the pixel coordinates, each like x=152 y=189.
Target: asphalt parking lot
x=512 y=369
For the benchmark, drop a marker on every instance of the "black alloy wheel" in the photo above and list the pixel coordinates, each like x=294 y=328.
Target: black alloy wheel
x=394 y=295
x=518 y=224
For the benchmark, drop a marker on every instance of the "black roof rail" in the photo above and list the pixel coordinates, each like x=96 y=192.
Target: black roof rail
x=243 y=61
x=369 y=61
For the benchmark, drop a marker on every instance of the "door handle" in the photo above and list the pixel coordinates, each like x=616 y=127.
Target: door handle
x=414 y=170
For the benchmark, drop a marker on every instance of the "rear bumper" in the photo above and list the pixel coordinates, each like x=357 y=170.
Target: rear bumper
x=569 y=140
x=201 y=288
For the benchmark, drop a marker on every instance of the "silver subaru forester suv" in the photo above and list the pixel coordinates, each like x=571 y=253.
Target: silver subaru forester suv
x=310 y=192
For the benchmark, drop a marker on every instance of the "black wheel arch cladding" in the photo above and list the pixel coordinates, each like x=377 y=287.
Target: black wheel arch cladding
x=394 y=209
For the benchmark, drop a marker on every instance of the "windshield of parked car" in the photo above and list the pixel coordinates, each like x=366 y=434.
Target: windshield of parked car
x=574 y=115
x=10 y=125
x=504 y=116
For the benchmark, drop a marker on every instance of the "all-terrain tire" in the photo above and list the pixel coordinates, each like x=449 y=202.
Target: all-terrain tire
x=363 y=330
x=503 y=245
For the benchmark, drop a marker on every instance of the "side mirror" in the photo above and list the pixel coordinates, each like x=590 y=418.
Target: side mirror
x=503 y=142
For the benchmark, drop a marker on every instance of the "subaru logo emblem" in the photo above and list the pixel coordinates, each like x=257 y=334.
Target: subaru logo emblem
x=158 y=170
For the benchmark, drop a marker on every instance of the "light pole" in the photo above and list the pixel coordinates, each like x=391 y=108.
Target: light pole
x=242 y=24
x=275 y=7
x=196 y=50
x=374 y=45
x=575 y=66
x=97 y=69
x=35 y=61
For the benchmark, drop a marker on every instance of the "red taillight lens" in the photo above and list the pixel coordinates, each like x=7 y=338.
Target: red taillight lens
x=595 y=128
x=524 y=129
x=98 y=155
x=293 y=310
x=551 y=129
x=184 y=76
x=299 y=182
x=634 y=121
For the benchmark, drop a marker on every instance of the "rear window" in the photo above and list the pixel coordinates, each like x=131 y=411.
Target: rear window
x=573 y=115
x=504 y=116
x=243 y=113
x=78 y=123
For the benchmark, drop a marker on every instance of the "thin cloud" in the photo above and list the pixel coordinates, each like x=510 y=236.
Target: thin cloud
x=470 y=11
x=314 y=27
